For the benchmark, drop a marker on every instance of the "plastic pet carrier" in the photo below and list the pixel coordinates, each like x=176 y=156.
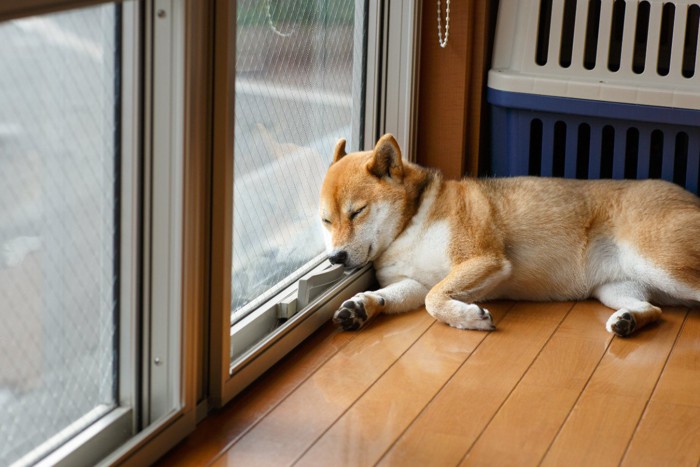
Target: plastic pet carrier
x=597 y=89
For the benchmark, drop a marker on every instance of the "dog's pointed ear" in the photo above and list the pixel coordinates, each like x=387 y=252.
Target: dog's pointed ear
x=339 y=150
x=386 y=160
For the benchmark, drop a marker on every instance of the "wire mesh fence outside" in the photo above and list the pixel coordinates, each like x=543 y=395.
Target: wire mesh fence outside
x=57 y=223
x=294 y=99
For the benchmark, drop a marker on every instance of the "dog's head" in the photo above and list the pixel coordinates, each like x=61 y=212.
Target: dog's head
x=363 y=202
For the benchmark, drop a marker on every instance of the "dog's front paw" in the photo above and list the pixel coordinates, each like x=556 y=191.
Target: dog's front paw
x=354 y=313
x=351 y=315
x=621 y=323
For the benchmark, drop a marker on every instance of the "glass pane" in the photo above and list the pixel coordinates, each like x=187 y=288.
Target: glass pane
x=298 y=76
x=58 y=226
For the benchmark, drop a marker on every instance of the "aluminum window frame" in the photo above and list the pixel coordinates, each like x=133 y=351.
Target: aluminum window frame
x=400 y=107
x=164 y=183
x=175 y=177
x=393 y=53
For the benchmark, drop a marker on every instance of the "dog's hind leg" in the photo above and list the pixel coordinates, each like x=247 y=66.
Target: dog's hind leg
x=630 y=301
x=451 y=300
x=398 y=297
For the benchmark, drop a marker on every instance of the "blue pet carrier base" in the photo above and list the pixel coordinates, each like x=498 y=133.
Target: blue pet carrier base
x=578 y=138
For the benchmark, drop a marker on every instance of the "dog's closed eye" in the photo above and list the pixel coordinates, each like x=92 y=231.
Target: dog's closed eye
x=357 y=212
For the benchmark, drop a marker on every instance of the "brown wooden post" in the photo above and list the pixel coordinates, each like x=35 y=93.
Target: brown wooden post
x=451 y=83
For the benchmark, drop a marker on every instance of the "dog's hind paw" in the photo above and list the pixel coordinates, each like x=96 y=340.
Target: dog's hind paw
x=621 y=323
x=351 y=315
x=478 y=319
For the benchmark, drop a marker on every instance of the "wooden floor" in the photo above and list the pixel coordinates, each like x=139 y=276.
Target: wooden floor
x=548 y=387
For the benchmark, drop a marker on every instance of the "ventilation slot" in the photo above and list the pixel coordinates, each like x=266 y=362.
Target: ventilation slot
x=680 y=159
x=592 y=26
x=690 y=48
x=559 y=149
x=641 y=36
x=535 y=147
x=607 y=152
x=583 y=151
x=567 y=33
x=616 y=30
x=631 y=153
x=544 y=26
x=606 y=149
x=656 y=154
x=666 y=39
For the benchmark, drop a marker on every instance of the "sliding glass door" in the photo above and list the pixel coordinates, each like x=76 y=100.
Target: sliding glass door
x=60 y=139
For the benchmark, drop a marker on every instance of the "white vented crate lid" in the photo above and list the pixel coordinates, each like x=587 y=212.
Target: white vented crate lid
x=635 y=52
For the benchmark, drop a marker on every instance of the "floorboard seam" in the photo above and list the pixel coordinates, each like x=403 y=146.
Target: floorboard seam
x=653 y=390
x=578 y=398
x=238 y=437
x=539 y=352
x=362 y=394
x=391 y=445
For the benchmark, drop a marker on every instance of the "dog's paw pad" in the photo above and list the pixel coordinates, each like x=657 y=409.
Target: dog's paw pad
x=351 y=315
x=622 y=323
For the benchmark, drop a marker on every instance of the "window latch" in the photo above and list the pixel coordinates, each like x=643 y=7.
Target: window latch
x=309 y=289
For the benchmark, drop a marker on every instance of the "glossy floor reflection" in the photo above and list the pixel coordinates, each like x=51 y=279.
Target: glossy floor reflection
x=549 y=386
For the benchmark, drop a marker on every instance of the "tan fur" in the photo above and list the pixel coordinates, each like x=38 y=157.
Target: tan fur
x=625 y=242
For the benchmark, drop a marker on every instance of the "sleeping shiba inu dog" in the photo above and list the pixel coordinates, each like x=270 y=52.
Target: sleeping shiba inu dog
x=448 y=244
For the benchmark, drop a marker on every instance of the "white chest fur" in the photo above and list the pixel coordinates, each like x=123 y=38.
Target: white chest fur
x=419 y=253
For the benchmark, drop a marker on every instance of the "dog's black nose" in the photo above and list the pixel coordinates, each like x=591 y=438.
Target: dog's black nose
x=338 y=257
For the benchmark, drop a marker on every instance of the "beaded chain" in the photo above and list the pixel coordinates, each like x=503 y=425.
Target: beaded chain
x=443 y=42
